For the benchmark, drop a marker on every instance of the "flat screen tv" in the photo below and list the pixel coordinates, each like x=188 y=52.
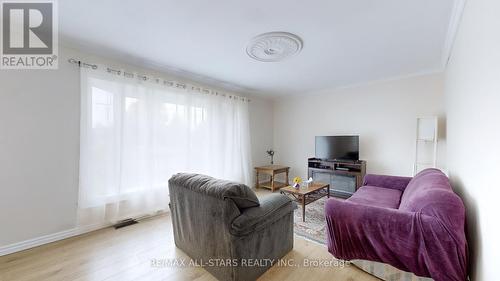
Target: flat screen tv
x=337 y=148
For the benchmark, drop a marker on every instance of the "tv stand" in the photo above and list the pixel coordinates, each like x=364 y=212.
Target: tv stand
x=344 y=177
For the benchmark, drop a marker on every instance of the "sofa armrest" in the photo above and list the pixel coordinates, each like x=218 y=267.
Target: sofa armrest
x=391 y=182
x=272 y=208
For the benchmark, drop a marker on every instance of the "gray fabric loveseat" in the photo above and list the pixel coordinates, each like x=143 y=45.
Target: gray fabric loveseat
x=224 y=227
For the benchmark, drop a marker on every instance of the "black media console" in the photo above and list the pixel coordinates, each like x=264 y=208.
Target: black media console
x=344 y=177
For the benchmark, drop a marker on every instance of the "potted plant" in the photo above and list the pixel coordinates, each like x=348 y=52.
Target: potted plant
x=270 y=152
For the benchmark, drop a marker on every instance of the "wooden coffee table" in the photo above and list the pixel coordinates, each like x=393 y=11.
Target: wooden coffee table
x=315 y=191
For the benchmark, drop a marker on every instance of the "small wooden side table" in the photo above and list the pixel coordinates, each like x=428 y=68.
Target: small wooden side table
x=271 y=170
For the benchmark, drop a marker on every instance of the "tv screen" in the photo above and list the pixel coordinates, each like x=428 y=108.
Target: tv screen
x=337 y=147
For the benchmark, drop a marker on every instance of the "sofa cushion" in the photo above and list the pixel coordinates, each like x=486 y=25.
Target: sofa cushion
x=272 y=208
x=393 y=182
x=377 y=196
x=239 y=193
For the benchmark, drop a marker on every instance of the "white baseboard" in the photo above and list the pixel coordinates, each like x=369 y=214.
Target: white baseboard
x=31 y=243
x=35 y=242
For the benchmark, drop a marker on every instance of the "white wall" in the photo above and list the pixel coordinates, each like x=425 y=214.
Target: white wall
x=472 y=90
x=261 y=126
x=39 y=146
x=383 y=114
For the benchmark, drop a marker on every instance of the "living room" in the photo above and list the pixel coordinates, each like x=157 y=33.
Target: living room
x=137 y=141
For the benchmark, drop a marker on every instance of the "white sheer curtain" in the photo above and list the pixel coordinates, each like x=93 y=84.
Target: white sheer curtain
x=136 y=134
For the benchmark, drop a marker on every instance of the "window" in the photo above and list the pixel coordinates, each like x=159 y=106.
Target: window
x=102 y=108
x=135 y=135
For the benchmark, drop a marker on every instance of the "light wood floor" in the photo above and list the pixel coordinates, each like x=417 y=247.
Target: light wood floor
x=126 y=254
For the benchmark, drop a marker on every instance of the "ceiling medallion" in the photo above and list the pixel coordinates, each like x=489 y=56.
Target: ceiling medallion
x=274 y=46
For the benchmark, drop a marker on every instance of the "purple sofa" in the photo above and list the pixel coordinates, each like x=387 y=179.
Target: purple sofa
x=414 y=224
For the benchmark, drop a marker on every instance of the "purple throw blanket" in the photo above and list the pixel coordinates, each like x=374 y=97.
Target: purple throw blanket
x=415 y=224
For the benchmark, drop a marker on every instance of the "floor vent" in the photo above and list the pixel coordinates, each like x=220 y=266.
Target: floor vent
x=125 y=223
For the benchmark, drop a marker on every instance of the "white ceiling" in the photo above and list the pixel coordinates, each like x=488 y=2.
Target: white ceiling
x=345 y=41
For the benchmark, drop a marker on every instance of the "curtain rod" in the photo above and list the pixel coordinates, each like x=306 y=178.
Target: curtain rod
x=167 y=83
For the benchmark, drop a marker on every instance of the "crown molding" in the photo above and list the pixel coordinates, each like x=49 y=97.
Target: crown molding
x=373 y=82
x=453 y=26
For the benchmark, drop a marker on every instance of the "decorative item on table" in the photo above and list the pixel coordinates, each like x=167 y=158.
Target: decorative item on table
x=308 y=182
x=296 y=182
x=270 y=152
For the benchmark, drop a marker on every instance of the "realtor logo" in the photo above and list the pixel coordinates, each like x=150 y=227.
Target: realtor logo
x=29 y=35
